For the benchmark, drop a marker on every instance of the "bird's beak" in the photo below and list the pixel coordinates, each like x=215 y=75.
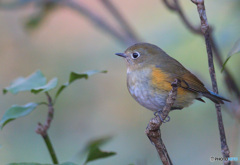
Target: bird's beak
x=121 y=55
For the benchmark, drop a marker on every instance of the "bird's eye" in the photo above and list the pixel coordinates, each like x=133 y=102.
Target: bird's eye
x=135 y=55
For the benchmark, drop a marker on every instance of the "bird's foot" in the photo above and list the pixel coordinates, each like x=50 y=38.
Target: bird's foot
x=159 y=114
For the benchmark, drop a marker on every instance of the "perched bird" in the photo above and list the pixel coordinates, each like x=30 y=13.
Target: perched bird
x=150 y=72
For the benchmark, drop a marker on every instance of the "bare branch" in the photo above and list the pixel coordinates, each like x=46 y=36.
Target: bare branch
x=153 y=129
x=169 y=5
x=206 y=32
x=229 y=80
x=175 y=6
x=123 y=23
x=96 y=19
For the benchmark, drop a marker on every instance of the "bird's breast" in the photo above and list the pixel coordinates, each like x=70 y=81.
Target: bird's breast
x=151 y=86
x=140 y=86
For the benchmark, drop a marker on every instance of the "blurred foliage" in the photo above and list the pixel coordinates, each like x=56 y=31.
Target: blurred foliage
x=17 y=111
x=75 y=76
x=235 y=49
x=66 y=41
x=94 y=151
x=37 y=83
x=29 y=83
x=46 y=7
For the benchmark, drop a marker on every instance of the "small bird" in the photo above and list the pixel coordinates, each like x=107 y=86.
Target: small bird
x=150 y=72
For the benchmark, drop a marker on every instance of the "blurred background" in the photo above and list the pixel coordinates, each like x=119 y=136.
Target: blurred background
x=66 y=40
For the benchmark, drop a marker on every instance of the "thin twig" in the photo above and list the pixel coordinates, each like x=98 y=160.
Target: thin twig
x=169 y=5
x=130 y=33
x=175 y=6
x=229 y=80
x=153 y=129
x=128 y=39
x=96 y=19
x=206 y=32
x=42 y=129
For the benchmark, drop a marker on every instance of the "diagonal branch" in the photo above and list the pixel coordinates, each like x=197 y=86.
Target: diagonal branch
x=153 y=129
x=229 y=80
x=130 y=33
x=96 y=19
x=206 y=32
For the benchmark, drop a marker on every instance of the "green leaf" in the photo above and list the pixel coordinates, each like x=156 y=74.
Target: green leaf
x=93 y=149
x=50 y=85
x=96 y=153
x=17 y=111
x=235 y=49
x=66 y=163
x=26 y=84
x=98 y=142
x=75 y=76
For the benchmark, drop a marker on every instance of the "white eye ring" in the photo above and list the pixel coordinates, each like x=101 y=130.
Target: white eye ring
x=135 y=55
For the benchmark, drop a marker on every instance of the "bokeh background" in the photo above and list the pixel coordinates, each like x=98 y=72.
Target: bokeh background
x=101 y=106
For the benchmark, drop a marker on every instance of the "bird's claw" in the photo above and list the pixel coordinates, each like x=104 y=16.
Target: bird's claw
x=158 y=113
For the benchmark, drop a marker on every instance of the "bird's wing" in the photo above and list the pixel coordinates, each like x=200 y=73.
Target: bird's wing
x=192 y=83
x=188 y=80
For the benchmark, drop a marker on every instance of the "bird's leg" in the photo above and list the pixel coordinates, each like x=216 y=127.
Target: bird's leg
x=160 y=114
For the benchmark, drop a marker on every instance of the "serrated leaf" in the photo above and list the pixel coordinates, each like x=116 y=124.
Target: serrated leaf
x=235 y=49
x=66 y=163
x=75 y=76
x=96 y=153
x=26 y=84
x=17 y=111
x=50 y=85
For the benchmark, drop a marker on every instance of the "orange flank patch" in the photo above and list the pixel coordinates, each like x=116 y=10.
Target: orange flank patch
x=162 y=82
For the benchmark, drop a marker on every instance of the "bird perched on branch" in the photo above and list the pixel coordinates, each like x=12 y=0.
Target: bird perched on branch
x=150 y=72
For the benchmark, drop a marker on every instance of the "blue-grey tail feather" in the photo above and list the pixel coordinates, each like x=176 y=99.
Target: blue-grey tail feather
x=216 y=98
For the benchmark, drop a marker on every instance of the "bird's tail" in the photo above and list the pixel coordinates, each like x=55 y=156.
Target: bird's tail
x=215 y=97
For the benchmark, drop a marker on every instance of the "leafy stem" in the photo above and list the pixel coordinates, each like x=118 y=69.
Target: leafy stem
x=50 y=148
x=42 y=129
